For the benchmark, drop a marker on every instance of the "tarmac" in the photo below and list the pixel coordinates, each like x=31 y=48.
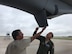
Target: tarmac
x=61 y=46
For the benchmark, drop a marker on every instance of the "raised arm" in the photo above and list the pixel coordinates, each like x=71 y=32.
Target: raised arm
x=38 y=34
x=35 y=31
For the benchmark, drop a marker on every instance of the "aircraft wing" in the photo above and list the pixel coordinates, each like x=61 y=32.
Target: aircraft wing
x=30 y=7
x=69 y=2
x=59 y=7
x=41 y=9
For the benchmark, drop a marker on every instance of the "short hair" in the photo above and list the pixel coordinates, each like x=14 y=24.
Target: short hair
x=15 y=33
x=51 y=33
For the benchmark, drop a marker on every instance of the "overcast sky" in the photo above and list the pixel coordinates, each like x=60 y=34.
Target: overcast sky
x=11 y=19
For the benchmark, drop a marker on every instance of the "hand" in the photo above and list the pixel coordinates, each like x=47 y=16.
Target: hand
x=37 y=28
x=37 y=34
x=43 y=29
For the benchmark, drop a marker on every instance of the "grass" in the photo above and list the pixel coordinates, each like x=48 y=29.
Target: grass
x=64 y=38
